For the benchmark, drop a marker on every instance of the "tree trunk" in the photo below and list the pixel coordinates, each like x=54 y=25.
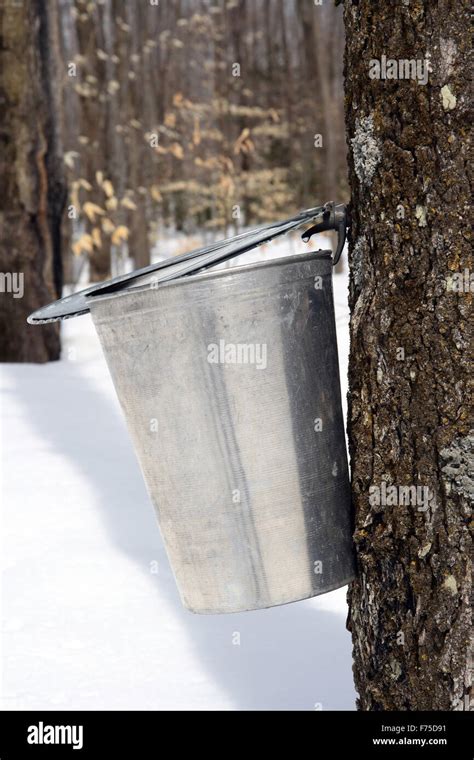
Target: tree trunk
x=410 y=419
x=95 y=91
x=33 y=193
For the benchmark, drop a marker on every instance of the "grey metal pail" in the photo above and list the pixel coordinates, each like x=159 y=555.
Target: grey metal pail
x=229 y=383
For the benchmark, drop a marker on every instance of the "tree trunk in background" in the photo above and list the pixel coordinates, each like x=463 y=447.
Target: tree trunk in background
x=141 y=110
x=33 y=192
x=410 y=423
x=95 y=94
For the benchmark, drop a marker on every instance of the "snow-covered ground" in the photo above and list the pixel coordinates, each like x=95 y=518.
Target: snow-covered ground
x=91 y=615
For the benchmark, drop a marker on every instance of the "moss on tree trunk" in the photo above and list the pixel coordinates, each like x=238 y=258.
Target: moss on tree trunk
x=411 y=418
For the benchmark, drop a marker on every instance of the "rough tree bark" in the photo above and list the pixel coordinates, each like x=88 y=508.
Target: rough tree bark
x=410 y=421
x=33 y=190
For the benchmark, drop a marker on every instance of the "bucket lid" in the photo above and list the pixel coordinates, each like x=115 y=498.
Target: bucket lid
x=327 y=217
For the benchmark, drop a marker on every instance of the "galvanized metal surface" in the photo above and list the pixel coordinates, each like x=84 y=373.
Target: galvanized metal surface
x=225 y=379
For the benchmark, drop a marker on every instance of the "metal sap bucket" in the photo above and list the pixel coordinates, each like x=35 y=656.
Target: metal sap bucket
x=229 y=383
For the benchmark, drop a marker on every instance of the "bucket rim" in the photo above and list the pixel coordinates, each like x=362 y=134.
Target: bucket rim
x=212 y=274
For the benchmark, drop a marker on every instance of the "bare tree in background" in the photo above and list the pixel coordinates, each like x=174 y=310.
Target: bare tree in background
x=197 y=116
x=33 y=187
x=192 y=117
x=411 y=413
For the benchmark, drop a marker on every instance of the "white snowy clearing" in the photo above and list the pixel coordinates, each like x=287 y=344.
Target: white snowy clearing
x=91 y=615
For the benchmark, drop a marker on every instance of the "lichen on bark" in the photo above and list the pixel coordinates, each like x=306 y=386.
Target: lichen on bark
x=410 y=413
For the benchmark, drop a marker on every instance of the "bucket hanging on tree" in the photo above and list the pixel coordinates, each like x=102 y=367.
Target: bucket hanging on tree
x=229 y=383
